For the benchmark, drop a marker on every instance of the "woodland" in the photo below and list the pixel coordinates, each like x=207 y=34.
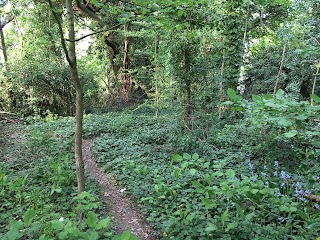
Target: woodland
x=159 y=119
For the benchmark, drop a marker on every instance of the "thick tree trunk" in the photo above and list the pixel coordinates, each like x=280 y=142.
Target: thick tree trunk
x=79 y=101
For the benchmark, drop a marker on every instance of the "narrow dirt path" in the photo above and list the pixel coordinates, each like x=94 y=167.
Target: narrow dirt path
x=125 y=214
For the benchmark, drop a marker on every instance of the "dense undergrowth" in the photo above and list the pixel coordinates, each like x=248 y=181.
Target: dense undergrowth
x=38 y=194
x=247 y=179
x=238 y=183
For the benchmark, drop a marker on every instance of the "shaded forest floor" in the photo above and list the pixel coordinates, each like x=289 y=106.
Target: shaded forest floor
x=216 y=180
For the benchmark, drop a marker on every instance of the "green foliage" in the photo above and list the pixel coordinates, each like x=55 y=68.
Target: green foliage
x=38 y=190
x=35 y=88
x=216 y=196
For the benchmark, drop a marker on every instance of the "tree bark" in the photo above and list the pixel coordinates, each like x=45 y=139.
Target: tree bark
x=187 y=98
x=315 y=80
x=3 y=46
x=70 y=54
x=79 y=101
x=126 y=78
x=280 y=71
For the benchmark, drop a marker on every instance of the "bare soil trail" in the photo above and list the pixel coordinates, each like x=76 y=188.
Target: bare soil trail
x=125 y=214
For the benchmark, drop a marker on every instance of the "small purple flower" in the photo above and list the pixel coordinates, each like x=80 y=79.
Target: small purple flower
x=278 y=193
x=265 y=167
x=250 y=166
x=317 y=206
x=267 y=184
x=281 y=219
x=276 y=163
x=303 y=199
x=252 y=173
x=283 y=185
x=232 y=204
x=307 y=192
x=275 y=173
x=298 y=192
x=284 y=175
x=263 y=174
x=298 y=185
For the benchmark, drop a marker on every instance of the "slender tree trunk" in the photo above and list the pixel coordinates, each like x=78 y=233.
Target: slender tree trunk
x=126 y=78
x=79 y=101
x=187 y=98
x=280 y=71
x=70 y=54
x=221 y=93
x=315 y=80
x=3 y=46
x=156 y=74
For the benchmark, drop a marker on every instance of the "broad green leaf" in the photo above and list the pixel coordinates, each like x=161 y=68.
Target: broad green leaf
x=264 y=191
x=301 y=117
x=315 y=98
x=239 y=210
x=232 y=94
x=245 y=188
x=180 y=12
x=224 y=216
x=184 y=164
x=316 y=144
x=303 y=215
x=90 y=235
x=186 y=156
x=211 y=227
x=13 y=235
x=126 y=235
x=254 y=191
x=268 y=97
x=192 y=171
x=284 y=208
x=28 y=216
x=293 y=209
x=195 y=156
x=230 y=173
x=280 y=94
x=92 y=219
x=73 y=231
x=231 y=226
x=177 y=158
x=284 y=122
x=291 y=133
x=256 y=98
x=179 y=27
x=57 y=225
x=208 y=203
x=197 y=184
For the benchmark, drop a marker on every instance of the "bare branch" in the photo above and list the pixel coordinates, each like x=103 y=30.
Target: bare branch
x=88 y=13
x=10 y=19
x=94 y=33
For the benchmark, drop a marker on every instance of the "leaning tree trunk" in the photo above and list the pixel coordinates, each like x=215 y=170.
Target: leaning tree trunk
x=79 y=101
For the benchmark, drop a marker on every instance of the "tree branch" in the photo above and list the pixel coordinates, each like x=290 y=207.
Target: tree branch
x=63 y=43
x=7 y=21
x=88 y=13
x=88 y=35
